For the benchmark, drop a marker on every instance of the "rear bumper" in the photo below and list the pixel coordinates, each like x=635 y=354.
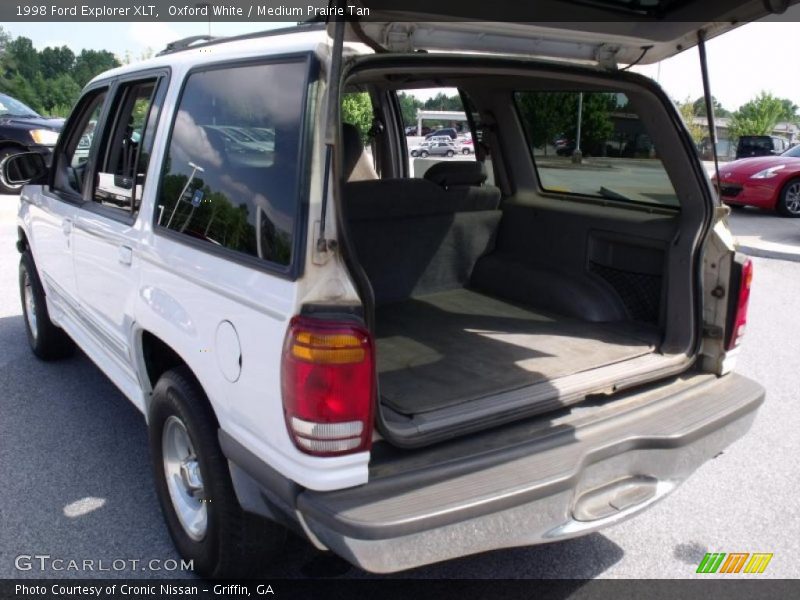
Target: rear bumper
x=575 y=476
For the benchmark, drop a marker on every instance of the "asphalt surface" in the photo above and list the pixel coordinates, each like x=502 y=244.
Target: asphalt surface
x=75 y=479
x=760 y=233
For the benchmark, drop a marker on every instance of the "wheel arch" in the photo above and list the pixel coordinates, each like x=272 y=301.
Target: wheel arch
x=12 y=144
x=155 y=356
x=793 y=178
x=22 y=240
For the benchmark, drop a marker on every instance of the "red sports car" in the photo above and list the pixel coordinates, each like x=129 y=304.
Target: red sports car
x=771 y=182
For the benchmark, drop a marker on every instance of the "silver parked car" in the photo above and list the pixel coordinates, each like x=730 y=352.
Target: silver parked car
x=435 y=147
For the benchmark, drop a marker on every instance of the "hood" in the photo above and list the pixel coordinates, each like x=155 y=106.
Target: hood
x=34 y=122
x=745 y=167
x=608 y=32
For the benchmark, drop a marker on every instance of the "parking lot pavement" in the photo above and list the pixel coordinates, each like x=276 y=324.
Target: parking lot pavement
x=76 y=484
x=766 y=234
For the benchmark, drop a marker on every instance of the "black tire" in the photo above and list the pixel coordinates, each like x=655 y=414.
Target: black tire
x=450 y=154
x=235 y=544
x=789 y=200
x=47 y=341
x=414 y=153
x=735 y=206
x=7 y=189
x=423 y=154
x=466 y=151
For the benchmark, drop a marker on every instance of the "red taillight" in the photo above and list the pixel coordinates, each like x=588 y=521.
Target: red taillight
x=740 y=315
x=328 y=385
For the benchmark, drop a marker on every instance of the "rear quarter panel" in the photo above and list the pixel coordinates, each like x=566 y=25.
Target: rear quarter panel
x=186 y=293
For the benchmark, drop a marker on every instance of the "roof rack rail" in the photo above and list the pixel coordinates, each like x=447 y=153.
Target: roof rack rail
x=207 y=40
x=184 y=43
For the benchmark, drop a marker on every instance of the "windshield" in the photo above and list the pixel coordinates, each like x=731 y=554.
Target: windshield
x=14 y=108
x=793 y=152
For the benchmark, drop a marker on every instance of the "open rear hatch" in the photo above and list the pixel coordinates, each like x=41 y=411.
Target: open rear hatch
x=604 y=31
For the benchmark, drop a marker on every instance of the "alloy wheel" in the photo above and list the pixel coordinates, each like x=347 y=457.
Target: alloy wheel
x=30 y=305
x=184 y=479
x=792 y=198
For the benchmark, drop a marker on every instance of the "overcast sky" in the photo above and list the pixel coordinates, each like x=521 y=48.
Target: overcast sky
x=751 y=58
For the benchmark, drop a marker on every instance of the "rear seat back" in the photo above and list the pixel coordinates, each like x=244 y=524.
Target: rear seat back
x=457 y=174
x=414 y=236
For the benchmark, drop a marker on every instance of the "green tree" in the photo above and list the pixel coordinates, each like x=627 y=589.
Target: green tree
x=92 y=62
x=56 y=61
x=699 y=107
x=20 y=88
x=43 y=80
x=408 y=107
x=442 y=101
x=688 y=110
x=23 y=57
x=758 y=116
x=596 y=124
x=544 y=116
x=357 y=110
x=5 y=38
x=60 y=91
x=789 y=111
x=547 y=115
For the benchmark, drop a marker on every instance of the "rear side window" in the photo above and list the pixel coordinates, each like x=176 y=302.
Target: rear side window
x=593 y=144
x=230 y=176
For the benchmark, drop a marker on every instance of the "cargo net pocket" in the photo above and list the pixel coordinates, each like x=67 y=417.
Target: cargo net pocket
x=640 y=292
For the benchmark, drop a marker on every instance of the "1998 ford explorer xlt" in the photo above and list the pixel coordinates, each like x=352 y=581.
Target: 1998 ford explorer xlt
x=402 y=360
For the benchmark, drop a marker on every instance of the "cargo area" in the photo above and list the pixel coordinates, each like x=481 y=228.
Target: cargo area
x=438 y=350
x=478 y=308
x=502 y=285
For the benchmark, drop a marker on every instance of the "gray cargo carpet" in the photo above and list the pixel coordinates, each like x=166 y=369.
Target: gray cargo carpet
x=442 y=349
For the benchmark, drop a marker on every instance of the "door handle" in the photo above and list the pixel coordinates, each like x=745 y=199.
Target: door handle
x=66 y=226
x=125 y=255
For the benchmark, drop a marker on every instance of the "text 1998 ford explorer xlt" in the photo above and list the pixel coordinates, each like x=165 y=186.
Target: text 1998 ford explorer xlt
x=402 y=362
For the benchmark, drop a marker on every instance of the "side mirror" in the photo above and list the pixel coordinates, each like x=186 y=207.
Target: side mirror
x=23 y=168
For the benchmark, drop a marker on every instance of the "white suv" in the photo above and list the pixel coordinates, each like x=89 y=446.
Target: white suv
x=402 y=370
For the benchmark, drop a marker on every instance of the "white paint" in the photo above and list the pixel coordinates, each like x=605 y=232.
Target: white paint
x=83 y=506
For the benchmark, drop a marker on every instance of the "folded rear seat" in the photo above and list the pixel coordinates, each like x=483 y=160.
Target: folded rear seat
x=419 y=236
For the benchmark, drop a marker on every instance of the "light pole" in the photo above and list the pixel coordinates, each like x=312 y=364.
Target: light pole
x=577 y=155
x=195 y=169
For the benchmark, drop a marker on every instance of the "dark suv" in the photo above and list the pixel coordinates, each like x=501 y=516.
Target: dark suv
x=22 y=129
x=760 y=145
x=449 y=132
